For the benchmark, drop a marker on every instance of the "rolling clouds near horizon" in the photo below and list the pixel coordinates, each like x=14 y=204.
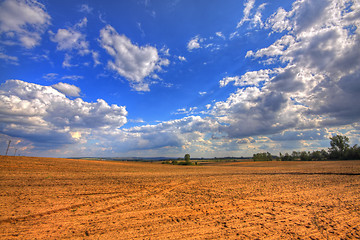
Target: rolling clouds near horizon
x=149 y=78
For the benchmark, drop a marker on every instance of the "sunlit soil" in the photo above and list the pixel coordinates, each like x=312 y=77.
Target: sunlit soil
x=46 y=198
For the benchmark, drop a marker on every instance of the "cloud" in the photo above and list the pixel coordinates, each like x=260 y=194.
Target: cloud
x=173 y=137
x=307 y=82
x=211 y=43
x=50 y=76
x=95 y=56
x=134 y=63
x=256 y=20
x=9 y=59
x=249 y=78
x=182 y=58
x=310 y=14
x=297 y=135
x=72 y=77
x=53 y=76
x=48 y=119
x=315 y=88
x=66 y=63
x=279 y=21
x=249 y=5
x=179 y=133
x=72 y=39
x=253 y=112
x=67 y=89
x=84 y=8
x=23 y=22
x=275 y=50
x=141 y=30
x=190 y=110
x=288 y=80
x=139 y=120
x=326 y=60
x=156 y=140
x=194 y=43
x=253 y=20
x=165 y=51
x=220 y=34
x=226 y=80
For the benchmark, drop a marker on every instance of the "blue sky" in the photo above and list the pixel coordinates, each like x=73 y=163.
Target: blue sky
x=164 y=78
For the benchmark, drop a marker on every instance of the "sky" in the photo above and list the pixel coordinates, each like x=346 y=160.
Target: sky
x=149 y=78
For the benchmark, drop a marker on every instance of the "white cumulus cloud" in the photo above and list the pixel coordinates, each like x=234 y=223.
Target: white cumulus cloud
x=67 y=89
x=249 y=78
x=23 y=22
x=48 y=119
x=279 y=21
x=318 y=84
x=135 y=63
x=72 y=39
x=194 y=43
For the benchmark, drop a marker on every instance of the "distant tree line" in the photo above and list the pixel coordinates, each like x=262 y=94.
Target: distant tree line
x=339 y=150
x=262 y=157
x=176 y=162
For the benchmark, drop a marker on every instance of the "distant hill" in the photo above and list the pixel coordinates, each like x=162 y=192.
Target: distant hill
x=151 y=159
x=140 y=159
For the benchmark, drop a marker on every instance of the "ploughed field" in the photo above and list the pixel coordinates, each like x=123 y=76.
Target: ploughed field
x=46 y=198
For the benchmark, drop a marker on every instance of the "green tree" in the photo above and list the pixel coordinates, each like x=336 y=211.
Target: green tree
x=187 y=158
x=316 y=156
x=262 y=156
x=295 y=155
x=304 y=156
x=324 y=154
x=353 y=153
x=287 y=157
x=339 y=146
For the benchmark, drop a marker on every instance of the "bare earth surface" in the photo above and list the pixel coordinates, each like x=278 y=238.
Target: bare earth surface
x=46 y=198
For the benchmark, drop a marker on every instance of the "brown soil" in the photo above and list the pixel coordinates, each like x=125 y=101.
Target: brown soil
x=47 y=198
